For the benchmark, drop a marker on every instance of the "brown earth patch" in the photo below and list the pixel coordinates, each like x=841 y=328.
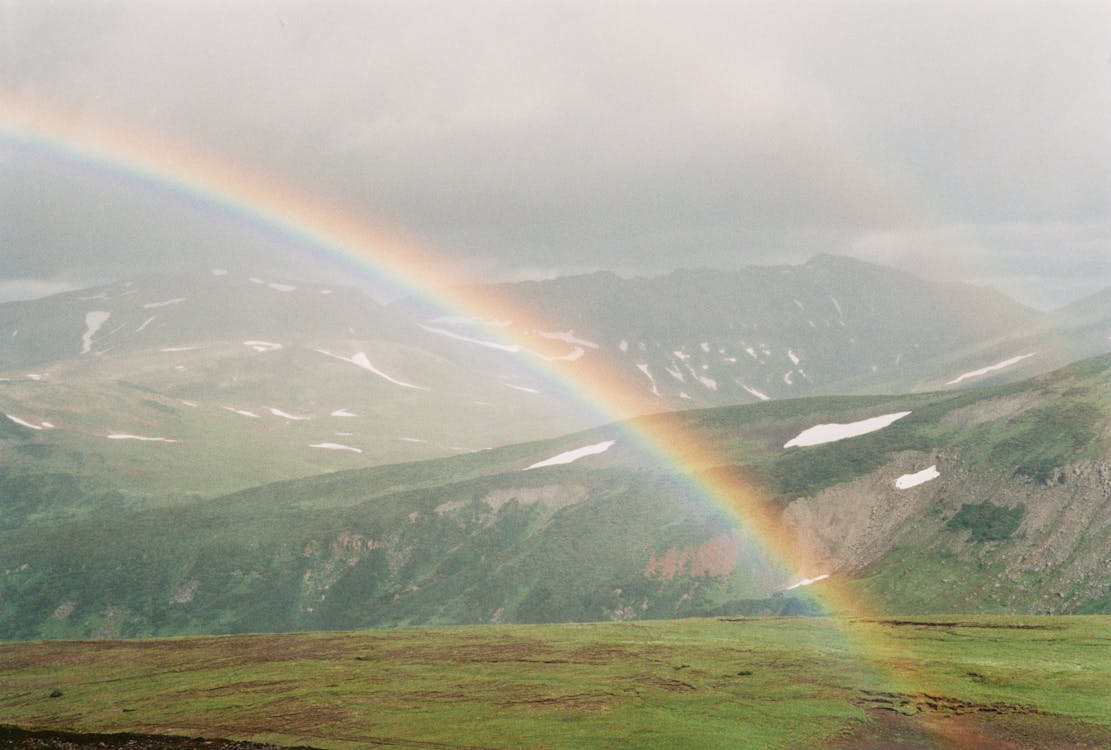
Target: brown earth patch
x=666 y=684
x=28 y=739
x=957 y=624
x=890 y=730
x=925 y=703
x=580 y=702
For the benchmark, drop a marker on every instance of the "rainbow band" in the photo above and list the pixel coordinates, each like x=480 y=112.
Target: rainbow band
x=387 y=255
x=259 y=200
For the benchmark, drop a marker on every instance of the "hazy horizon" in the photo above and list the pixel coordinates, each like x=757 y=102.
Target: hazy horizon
x=957 y=141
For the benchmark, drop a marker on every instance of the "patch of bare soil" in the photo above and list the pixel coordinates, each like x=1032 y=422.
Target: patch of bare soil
x=959 y=624
x=581 y=702
x=26 y=739
x=925 y=722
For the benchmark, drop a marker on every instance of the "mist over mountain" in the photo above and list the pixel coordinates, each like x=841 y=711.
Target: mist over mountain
x=127 y=405
x=248 y=375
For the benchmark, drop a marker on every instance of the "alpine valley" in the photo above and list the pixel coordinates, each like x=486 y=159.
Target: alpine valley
x=223 y=452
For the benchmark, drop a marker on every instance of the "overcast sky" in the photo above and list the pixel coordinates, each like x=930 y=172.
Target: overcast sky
x=525 y=139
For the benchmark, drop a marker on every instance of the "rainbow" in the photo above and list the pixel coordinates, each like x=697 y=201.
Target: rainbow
x=387 y=255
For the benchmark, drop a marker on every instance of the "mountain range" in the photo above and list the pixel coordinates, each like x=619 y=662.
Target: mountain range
x=222 y=451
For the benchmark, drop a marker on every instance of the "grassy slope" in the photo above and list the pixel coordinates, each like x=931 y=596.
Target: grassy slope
x=754 y=683
x=426 y=544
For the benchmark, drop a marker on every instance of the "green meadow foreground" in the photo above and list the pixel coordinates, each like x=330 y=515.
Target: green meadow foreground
x=961 y=681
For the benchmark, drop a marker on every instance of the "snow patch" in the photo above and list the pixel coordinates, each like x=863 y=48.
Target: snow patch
x=577 y=353
x=708 y=382
x=281 y=287
x=807 y=581
x=241 y=412
x=623 y=345
x=411 y=440
x=25 y=423
x=360 y=360
x=336 y=447
x=644 y=368
x=521 y=388
x=325 y=291
x=189 y=403
x=567 y=337
x=262 y=346
x=990 y=368
x=829 y=433
x=143 y=438
x=179 y=348
x=286 y=415
x=219 y=272
x=343 y=413
x=753 y=392
x=255 y=280
x=906 y=481
x=794 y=357
x=93 y=321
x=471 y=340
x=146 y=323
x=166 y=303
x=574 y=455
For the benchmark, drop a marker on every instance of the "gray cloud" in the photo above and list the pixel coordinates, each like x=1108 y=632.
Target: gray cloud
x=638 y=136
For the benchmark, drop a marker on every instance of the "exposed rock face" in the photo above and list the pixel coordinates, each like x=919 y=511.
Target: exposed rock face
x=716 y=558
x=1057 y=559
x=850 y=526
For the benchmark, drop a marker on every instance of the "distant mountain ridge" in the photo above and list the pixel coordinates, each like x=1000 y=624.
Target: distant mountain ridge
x=701 y=337
x=227 y=378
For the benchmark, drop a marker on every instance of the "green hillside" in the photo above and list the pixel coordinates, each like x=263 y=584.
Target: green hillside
x=1016 y=522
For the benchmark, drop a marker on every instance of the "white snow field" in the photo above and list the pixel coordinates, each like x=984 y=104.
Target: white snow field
x=807 y=581
x=336 y=447
x=643 y=367
x=990 y=368
x=753 y=392
x=166 y=303
x=906 y=481
x=567 y=337
x=125 y=436
x=360 y=360
x=570 y=456
x=262 y=346
x=93 y=321
x=287 y=415
x=524 y=388
x=241 y=412
x=471 y=340
x=829 y=433
x=25 y=423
